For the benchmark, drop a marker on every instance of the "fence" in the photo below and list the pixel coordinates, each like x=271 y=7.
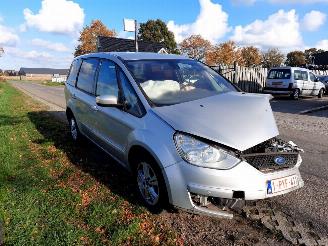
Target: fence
x=250 y=79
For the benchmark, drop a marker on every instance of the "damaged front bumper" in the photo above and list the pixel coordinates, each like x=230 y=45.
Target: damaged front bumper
x=246 y=181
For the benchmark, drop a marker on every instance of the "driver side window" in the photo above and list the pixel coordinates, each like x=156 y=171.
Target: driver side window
x=107 y=79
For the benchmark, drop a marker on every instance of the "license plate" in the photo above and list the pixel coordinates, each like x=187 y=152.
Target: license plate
x=279 y=185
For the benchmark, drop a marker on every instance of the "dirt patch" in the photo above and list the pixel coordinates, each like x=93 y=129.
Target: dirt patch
x=204 y=230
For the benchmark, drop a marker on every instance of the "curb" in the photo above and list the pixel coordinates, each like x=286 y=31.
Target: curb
x=313 y=110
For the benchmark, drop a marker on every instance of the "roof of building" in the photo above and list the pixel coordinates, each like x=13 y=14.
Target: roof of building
x=321 y=58
x=25 y=70
x=134 y=55
x=111 y=44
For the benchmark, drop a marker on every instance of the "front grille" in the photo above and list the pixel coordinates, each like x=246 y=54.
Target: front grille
x=265 y=161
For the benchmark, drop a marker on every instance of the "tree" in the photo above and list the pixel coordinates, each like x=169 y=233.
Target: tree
x=309 y=54
x=272 y=58
x=226 y=53
x=156 y=31
x=251 y=56
x=88 y=37
x=295 y=59
x=195 y=47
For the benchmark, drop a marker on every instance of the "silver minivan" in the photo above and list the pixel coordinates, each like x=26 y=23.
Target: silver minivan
x=293 y=81
x=188 y=136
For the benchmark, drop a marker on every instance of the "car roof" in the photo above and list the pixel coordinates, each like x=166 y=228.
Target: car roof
x=292 y=68
x=133 y=55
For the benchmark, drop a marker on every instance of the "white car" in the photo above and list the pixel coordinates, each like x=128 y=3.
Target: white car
x=293 y=81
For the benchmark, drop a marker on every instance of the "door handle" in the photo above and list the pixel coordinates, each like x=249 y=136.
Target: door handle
x=73 y=96
x=95 y=108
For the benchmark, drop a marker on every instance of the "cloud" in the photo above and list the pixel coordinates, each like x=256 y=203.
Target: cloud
x=313 y=20
x=280 y=30
x=60 y=47
x=7 y=36
x=16 y=58
x=211 y=23
x=323 y=44
x=56 y=16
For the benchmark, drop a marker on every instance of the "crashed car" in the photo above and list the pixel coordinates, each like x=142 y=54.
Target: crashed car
x=188 y=136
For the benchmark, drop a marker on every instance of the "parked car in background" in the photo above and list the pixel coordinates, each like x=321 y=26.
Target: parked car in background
x=293 y=81
x=324 y=80
x=188 y=136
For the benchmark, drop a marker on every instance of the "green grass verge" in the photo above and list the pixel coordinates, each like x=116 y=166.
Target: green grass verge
x=55 y=193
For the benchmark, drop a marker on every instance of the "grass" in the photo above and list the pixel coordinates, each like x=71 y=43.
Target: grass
x=42 y=82
x=55 y=193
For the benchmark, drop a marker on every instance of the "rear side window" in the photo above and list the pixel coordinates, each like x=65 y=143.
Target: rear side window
x=279 y=74
x=305 y=75
x=87 y=73
x=71 y=79
x=298 y=75
x=107 y=80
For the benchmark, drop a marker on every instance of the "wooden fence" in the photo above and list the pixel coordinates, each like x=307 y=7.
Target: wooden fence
x=250 y=79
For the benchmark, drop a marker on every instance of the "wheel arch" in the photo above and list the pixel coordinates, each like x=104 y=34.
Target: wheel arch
x=139 y=152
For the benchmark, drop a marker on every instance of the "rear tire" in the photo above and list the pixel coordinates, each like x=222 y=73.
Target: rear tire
x=321 y=92
x=296 y=94
x=150 y=185
x=74 y=129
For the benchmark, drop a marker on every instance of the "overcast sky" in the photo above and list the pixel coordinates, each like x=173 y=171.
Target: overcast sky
x=44 y=33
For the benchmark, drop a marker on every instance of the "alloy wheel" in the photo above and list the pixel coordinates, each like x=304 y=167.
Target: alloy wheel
x=148 y=183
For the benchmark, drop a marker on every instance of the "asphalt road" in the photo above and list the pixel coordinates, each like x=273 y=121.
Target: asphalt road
x=308 y=205
x=286 y=105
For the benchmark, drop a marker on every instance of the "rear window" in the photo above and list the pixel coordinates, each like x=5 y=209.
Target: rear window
x=71 y=79
x=279 y=74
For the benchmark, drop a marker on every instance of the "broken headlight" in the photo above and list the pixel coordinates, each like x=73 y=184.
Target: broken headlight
x=202 y=154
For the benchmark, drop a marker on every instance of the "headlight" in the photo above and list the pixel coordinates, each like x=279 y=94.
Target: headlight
x=203 y=155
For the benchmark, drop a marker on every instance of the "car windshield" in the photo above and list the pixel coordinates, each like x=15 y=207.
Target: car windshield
x=167 y=82
x=279 y=74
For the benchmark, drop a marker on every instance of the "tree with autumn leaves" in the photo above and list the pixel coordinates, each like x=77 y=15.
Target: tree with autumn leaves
x=88 y=37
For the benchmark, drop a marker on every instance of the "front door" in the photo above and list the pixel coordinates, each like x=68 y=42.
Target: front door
x=113 y=124
x=315 y=85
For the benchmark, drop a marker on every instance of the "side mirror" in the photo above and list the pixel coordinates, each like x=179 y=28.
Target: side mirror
x=108 y=101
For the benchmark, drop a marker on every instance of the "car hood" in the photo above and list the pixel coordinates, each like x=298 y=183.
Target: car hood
x=237 y=120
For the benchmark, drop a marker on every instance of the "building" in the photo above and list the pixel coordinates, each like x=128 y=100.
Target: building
x=111 y=44
x=46 y=73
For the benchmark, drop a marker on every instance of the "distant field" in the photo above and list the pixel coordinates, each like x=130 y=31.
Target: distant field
x=53 y=192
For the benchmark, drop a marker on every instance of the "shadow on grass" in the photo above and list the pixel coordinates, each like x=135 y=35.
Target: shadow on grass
x=6 y=120
x=85 y=156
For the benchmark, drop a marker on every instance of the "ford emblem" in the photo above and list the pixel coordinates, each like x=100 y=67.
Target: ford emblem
x=279 y=160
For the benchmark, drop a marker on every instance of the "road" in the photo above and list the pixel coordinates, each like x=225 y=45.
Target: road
x=308 y=205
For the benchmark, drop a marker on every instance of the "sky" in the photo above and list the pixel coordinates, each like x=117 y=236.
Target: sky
x=44 y=33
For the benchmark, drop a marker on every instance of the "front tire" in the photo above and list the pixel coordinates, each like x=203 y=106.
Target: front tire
x=321 y=92
x=151 y=185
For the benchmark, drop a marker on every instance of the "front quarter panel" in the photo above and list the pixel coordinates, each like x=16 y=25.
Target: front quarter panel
x=156 y=137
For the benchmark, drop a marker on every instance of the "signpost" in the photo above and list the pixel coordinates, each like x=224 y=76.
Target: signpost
x=132 y=26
